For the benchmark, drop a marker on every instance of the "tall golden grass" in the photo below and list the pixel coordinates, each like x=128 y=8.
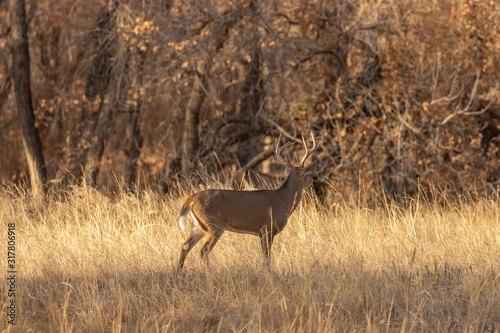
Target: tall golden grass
x=88 y=262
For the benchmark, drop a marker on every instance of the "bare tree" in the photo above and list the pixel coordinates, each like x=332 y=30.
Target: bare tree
x=190 y=137
x=133 y=141
x=21 y=75
x=109 y=64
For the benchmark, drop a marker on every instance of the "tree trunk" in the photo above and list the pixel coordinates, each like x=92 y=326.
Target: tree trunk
x=133 y=139
x=250 y=101
x=133 y=146
x=190 y=136
x=21 y=75
x=90 y=127
x=104 y=122
x=117 y=52
x=99 y=74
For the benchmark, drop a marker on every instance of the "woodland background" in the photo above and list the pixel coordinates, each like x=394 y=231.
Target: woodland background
x=130 y=93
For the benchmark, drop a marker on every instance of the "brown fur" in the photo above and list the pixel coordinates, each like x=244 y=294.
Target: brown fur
x=263 y=213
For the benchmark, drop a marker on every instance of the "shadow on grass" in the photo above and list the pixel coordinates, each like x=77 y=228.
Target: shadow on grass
x=344 y=295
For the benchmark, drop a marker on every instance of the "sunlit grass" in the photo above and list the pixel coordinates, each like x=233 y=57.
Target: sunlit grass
x=91 y=263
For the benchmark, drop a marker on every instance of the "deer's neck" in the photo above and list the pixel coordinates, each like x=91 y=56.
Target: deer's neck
x=291 y=190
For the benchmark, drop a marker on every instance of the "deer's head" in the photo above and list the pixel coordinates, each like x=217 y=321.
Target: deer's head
x=300 y=174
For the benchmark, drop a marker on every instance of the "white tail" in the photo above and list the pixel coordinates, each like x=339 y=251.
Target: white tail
x=183 y=218
x=263 y=212
x=183 y=221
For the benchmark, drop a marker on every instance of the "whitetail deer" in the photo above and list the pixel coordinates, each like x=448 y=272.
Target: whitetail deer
x=263 y=212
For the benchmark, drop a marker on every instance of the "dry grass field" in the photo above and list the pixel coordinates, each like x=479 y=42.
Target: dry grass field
x=91 y=263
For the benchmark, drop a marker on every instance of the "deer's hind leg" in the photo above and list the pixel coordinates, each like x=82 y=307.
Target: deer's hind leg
x=194 y=237
x=198 y=230
x=212 y=237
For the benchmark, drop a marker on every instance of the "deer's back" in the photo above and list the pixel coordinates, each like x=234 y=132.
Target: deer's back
x=246 y=211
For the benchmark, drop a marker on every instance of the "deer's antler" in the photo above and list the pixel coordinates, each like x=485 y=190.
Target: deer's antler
x=277 y=152
x=309 y=151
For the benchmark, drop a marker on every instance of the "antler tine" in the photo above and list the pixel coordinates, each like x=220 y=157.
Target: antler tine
x=277 y=152
x=309 y=151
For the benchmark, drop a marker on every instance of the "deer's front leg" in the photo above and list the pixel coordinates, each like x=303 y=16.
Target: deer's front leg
x=266 y=241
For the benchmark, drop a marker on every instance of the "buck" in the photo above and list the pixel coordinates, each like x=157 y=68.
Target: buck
x=263 y=213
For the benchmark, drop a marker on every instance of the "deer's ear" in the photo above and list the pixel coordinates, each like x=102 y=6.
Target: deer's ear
x=308 y=169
